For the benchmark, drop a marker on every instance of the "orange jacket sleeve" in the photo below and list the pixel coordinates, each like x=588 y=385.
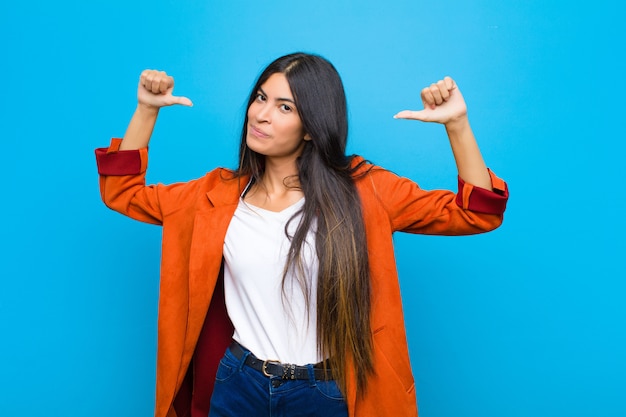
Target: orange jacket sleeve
x=415 y=210
x=123 y=185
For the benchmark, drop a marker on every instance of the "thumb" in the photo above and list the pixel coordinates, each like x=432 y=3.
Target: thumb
x=411 y=115
x=183 y=101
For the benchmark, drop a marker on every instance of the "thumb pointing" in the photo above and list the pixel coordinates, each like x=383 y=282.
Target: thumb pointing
x=183 y=101
x=409 y=114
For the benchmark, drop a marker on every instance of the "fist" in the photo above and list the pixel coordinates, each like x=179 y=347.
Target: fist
x=443 y=103
x=156 y=90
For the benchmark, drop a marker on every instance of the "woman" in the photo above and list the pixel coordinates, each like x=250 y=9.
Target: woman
x=279 y=291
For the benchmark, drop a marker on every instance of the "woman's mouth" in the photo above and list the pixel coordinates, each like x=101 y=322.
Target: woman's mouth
x=258 y=132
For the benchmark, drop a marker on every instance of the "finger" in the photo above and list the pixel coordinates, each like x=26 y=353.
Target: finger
x=150 y=82
x=165 y=83
x=427 y=98
x=449 y=82
x=145 y=79
x=443 y=90
x=159 y=83
x=411 y=115
x=183 y=101
x=145 y=74
x=154 y=87
x=434 y=90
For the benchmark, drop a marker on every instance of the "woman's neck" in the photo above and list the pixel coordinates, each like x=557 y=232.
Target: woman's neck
x=278 y=188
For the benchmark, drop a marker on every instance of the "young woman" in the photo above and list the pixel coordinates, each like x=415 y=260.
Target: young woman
x=279 y=292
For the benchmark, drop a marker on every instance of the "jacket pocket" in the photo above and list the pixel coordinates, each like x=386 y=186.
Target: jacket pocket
x=391 y=352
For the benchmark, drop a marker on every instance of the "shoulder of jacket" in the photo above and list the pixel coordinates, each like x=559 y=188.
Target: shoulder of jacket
x=363 y=169
x=219 y=176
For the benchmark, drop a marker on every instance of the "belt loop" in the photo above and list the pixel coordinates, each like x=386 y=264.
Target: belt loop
x=311 y=371
x=242 y=360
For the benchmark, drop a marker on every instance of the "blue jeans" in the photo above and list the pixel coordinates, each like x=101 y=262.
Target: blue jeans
x=243 y=391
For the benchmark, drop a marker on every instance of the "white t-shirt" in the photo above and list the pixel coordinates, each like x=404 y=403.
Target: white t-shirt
x=271 y=323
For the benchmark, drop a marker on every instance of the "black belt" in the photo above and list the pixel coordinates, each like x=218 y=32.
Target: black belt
x=275 y=368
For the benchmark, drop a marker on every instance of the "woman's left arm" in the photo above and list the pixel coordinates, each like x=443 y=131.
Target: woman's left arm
x=444 y=103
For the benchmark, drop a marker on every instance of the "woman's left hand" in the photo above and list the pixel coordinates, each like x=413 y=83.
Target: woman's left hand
x=443 y=103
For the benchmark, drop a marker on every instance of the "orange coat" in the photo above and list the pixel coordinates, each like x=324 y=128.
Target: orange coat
x=193 y=328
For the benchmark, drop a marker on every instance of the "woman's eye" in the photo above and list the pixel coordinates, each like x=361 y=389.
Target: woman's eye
x=260 y=97
x=285 y=108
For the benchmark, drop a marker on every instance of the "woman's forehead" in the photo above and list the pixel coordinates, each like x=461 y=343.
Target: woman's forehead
x=277 y=87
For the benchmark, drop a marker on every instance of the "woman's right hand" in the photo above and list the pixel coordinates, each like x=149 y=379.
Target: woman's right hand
x=155 y=90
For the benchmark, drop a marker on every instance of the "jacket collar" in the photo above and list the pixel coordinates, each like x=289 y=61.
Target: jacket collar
x=228 y=190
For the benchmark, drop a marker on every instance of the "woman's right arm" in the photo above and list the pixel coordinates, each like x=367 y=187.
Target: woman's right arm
x=122 y=166
x=153 y=92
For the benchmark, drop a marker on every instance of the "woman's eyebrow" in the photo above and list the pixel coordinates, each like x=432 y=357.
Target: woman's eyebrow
x=277 y=99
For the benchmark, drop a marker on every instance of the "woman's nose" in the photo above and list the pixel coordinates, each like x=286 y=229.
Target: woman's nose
x=262 y=113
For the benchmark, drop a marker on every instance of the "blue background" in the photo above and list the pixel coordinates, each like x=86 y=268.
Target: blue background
x=527 y=320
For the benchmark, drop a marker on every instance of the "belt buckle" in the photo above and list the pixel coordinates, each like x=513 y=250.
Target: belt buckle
x=264 y=367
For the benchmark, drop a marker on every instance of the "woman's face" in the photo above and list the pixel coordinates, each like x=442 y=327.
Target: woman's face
x=274 y=127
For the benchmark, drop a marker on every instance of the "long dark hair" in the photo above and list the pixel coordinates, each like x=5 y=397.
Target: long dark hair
x=332 y=202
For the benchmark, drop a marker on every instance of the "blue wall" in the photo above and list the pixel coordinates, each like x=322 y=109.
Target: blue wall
x=527 y=320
